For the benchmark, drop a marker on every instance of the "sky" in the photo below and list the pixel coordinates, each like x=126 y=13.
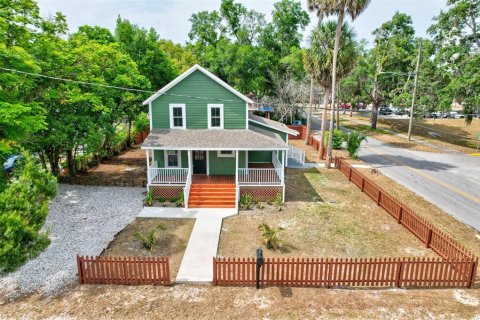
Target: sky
x=170 y=18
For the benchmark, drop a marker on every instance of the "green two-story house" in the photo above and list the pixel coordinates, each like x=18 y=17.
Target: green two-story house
x=205 y=142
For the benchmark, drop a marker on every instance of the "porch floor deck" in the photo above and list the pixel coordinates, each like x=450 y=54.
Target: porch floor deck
x=206 y=179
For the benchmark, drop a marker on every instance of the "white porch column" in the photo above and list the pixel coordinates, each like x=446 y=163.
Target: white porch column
x=285 y=155
x=236 y=167
x=190 y=166
x=147 y=151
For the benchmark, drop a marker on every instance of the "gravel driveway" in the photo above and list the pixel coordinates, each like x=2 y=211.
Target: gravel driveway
x=82 y=220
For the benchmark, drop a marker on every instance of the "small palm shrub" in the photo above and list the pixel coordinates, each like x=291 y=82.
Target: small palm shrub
x=149 y=238
x=245 y=202
x=338 y=137
x=354 y=140
x=148 y=200
x=270 y=236
x=181 y=201
x=278 y=201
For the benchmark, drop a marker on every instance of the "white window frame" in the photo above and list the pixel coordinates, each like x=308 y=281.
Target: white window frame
x=210 y=106
x=220 y=155
x=179 y=155
x=184 y=115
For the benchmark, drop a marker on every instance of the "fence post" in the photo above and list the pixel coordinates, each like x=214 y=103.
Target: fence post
x=400 y=214
x=214 y=271
x=80 y=269
x=473 y=273
x=349 y=173
x=379 y=197
x=363 y=183
x=398 y=280
x=429 y=238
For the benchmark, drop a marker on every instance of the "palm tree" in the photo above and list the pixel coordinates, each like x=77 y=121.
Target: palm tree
x=318 y=60
x=353 y=8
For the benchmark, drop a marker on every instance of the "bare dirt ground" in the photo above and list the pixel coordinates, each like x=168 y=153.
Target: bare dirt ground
x=129 y=167
x=325 y=216
x=172 y=240
x=207 y=302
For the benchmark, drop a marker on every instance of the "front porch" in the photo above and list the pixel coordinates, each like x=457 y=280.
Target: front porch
x=231 y=168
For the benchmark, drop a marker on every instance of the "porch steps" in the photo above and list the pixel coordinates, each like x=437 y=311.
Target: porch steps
x=212 y=196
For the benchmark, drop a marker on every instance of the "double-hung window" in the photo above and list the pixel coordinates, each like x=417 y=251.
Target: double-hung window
x=172 y=159
x=225 y=154
x=215 y=116
x=177 y=116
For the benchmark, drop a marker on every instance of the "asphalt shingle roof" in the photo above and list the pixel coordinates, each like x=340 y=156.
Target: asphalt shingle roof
x=254 y=138
x=272 y=123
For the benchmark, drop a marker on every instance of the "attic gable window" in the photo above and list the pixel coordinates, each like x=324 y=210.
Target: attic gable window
x=177 y=116
x=215 y=116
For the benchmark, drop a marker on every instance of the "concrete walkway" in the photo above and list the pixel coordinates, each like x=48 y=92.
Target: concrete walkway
x=196 y=266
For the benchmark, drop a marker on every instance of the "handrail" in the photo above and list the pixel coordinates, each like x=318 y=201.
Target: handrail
x=259 y=176
x=186 y=189
x=296 y=154
x=168 y=175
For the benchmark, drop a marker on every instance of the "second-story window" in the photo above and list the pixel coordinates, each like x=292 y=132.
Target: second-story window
x=177 y=116
x=215 y=116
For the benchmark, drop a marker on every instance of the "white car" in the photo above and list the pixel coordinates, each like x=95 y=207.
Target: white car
x=456 y=115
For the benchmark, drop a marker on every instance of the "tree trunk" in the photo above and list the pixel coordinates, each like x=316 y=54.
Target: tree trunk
x=309 y=114
x=374 y=116
x=53 y=159
x=338 y=106
x=334 y=87
x=72 y=170
x=129 y=137
x=324 y=122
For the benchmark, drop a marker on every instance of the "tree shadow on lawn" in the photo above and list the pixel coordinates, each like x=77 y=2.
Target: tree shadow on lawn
x=385 y=161
x=299 y=187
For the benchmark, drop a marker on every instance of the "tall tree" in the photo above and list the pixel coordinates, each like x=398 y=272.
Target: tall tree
x=319 y=59
x=353 y=8
x=143 y=48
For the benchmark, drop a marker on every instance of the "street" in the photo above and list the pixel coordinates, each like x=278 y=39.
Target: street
x=450 y=181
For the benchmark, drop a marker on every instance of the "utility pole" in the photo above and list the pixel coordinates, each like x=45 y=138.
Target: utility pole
x=414 y=92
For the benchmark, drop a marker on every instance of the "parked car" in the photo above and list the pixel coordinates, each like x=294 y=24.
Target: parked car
x=9 y=164
x=456 y=115
x=400 y=112
x=384 y=111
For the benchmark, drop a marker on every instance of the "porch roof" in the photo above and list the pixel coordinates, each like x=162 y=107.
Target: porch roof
x=214 y=139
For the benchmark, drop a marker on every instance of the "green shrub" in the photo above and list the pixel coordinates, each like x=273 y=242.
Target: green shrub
x=338 y=138
x=23 y=211
x=245 y=202
x=270 y=236
x=149 y=239
x=148 y=200
x=141 y=122
x=181 y=200
x=354 y=140
x=278 y=201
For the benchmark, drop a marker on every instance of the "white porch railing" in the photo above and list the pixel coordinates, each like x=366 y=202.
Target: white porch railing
x=296 y=154
x=168 y=175
x=186 y=189
x=259 y=176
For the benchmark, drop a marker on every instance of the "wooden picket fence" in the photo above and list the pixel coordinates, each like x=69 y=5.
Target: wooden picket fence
x=430 y=235
x=312 y=141
x=123 y=270
x=338 y=272
x=302 y=130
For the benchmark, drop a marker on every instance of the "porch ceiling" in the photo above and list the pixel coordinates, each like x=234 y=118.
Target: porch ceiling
x=205 y=139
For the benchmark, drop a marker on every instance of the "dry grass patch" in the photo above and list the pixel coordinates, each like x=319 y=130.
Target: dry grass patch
x=313 y=155
x=172 y=238
x=208 y=302
x=324 y=216
x=462 y=233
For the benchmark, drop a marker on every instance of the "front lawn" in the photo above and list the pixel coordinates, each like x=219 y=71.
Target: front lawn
x=172 y=238
x=324 y=216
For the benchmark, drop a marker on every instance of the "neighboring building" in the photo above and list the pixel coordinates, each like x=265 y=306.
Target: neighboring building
x=204 y=141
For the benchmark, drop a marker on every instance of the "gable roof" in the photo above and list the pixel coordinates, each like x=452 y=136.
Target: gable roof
x=271 y=124
x=189 y=72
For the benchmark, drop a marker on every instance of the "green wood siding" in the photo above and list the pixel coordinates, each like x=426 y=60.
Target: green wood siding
x=159 y=156
x=260 y=156
x=220 y=166
x=198 y=84
x=242 y=159
x=282 y=134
